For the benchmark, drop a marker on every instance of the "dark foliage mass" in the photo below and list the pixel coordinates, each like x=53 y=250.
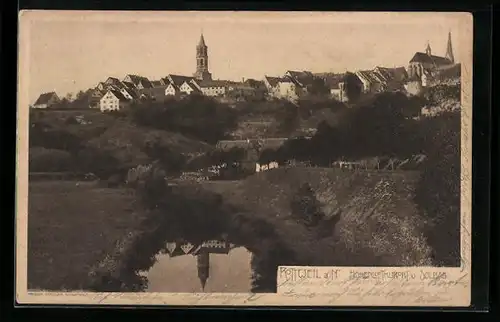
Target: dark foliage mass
x=199 y=117
x=438 y=193
x=50 y=137
x=381 y=126
x=353 y=87
x=306 y=208
x=108 y=146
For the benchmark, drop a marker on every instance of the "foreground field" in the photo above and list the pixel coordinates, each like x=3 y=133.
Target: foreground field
x=74 y=227
x=71 y=227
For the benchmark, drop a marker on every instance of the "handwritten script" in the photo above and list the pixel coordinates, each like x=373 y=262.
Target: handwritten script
x=374 y=286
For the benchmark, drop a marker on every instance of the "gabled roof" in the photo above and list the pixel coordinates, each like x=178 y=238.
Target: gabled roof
x=287 y=80
x=301 y=78
x=156 y=83
x=130 y=92
x=179 y=79
x=384 y=73
x=192 y=86
x=390 y=74
x=136 y=79
x=173 y=85
x=46 y=97
x=429 y=59
x=129 y=85
x=118 y=95
x=399 y=73
x=368 y=75
x=112 y=80
x=273 y=81
x=158 y=91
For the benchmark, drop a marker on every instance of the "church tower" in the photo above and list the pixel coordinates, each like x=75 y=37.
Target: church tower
x=449 y=50
x=202 y=61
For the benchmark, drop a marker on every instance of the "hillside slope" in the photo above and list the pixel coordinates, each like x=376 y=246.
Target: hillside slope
x=104 y=129
x=379 y=223
x=123 y=134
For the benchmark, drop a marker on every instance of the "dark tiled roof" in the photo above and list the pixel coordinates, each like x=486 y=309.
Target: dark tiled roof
x=132 y=93
x=273 y=81
x=384 y=73
x=158 y=91
x=173 y=85
x=286 y=80
x=400 y=72
x=156 y=83
x=129 y=85
x=301 y=78
x=368 y=75
x=45 y=98
x=215 y=83
x=146 y=83
x=136 y=79
x=195 y=88
x=118 y=95
x=179 y=79
x=113 y=80
x=429 y=59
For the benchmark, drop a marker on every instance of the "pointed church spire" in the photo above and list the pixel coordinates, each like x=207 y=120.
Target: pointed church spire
x=449 y=49
x=428 y=49
x=202 y=40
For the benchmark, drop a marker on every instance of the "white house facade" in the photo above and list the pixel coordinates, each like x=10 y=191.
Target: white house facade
x=171 y=90
x=187 y=88
x=113 y=101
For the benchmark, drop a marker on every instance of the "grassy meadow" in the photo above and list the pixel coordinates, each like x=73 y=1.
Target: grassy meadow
x=70 y=227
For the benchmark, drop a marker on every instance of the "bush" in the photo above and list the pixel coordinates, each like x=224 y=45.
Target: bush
x=136 y=175
x=305 y=207
x=49 y=160
x=46 y=135
x=199 y=117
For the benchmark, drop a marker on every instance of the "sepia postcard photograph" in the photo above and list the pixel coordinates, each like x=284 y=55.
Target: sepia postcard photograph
x=244 y=158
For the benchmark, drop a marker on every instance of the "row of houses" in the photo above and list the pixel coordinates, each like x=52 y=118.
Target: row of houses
x=113 y=94
x=423 y=70
x=294 y=85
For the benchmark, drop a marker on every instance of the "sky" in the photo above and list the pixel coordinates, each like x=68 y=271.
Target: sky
x=71 y=51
